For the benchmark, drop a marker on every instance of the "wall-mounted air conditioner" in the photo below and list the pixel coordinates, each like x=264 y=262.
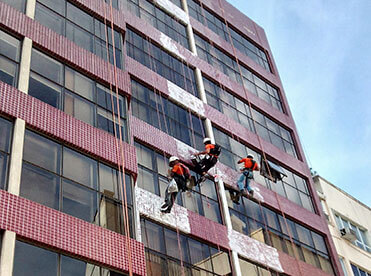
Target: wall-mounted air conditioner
x=348 y=234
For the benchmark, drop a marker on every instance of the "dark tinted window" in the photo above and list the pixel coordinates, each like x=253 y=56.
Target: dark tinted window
x=158 y=60
x=63 y=179
x=80 y=27
x=77 y=95
x=5 y=144
x=165 y=115
x=9 y=58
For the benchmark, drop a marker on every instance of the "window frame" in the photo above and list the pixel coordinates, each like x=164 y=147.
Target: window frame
x=153 y=59
x=14 y=61
x=92 y=102
x=6 y=153
x=96 y=39
x=186 y=259
x=259 y=217
x=245 y=118
x=59 y=258
x=166 y=116
x=228 y=65
x=98 y=194
x=218 y=26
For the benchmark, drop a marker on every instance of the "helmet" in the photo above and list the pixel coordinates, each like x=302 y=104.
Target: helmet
x=207 y=140
x=172 y=159
x=250 y=156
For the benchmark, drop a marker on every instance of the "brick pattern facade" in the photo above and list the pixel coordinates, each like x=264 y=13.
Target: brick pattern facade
x=66 y=234
x=65 y=128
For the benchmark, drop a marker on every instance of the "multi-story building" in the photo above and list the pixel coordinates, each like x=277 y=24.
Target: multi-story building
x=349 y=221
x=182 y=70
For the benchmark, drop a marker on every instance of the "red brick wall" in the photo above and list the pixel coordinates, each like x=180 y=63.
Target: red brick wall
x=55 y=123
x=63 y=233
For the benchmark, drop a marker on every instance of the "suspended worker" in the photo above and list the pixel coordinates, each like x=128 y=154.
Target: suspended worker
x=243 y=183
x=206 y=159
x=179 y=174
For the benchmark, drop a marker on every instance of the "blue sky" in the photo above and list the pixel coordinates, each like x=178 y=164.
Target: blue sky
x=322 y=49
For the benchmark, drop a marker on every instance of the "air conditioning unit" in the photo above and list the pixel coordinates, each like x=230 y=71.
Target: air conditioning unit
x=348 y=234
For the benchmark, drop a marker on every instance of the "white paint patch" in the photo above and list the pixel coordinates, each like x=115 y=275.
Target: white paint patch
x=257 y=193
x=169 y=45
x=185 y=152
x=254 y=250
x=174 y=10
x=149 y=204
x=185 y=99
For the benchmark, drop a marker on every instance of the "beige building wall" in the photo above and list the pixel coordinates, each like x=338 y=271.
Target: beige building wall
x=336 y=202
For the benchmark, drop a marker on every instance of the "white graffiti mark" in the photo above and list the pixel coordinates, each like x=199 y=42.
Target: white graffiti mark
x=174 y=10
x=149 y=204
x=169 y=45
x=254 y=250
x=185 y=99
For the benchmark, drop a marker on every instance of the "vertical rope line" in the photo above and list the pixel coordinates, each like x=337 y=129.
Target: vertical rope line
x=122 y=181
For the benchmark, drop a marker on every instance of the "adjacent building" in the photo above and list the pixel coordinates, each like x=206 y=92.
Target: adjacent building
x=349 y=222
x=96 y=95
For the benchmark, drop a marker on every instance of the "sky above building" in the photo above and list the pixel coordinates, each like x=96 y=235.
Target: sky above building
x=323 y=53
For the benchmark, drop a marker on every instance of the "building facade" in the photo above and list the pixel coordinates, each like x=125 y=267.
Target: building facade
x=75 y=200
x=349 y=222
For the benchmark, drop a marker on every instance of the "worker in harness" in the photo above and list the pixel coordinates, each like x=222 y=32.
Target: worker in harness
x=179 y=174
x=206 y=159
x=249 y=165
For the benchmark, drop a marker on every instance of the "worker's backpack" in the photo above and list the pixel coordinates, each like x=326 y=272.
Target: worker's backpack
x=216 y=150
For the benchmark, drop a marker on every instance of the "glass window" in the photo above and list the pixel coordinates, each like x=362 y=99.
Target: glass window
x=42 y=152
x=167 y=116
x=50 y=19
x=46 y=66
x=79 y=84
x=45 y=90
x=233 y=150
x=80 y=27
x=40 y=186
x=76 y=188
x=361 y=240
x=5 y=142
x=18 y=4
x=79 y=168
x=161 y=62
x=9 y=58
x=198 y=258
x=79 y=201
x=78 y=96
x=309 y=246
x=27 y=260
x=159 y=19
x=228 y=65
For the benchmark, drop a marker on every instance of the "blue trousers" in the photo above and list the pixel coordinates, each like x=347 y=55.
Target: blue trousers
x=244 y=181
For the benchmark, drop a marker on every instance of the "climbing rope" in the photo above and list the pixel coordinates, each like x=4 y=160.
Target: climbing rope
x=118 y=138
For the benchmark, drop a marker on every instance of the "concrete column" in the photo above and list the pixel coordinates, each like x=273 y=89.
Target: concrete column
x=7 y=254
x=16 y=155
x=24 y=68
x=30 y=8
